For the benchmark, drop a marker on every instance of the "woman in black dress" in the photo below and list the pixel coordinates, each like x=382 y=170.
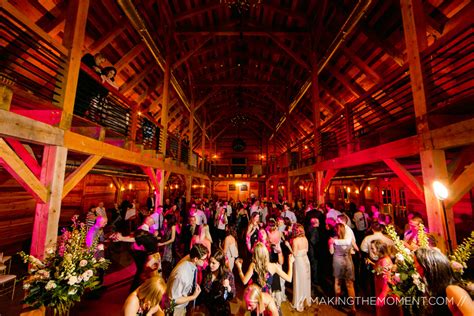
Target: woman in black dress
x=218 y=285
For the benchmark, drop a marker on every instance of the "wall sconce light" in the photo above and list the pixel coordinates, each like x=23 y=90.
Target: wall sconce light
x=130 y=186
x=271 y=187
x=176 y=186
x=122 y=189
x=348 y=190
x=203 y=186
x=368 y=188
x=301 y=187
x=356 y=191
x=111 y=185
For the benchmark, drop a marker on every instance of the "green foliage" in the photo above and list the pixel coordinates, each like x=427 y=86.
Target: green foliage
x=406 y=282
x=68 y=270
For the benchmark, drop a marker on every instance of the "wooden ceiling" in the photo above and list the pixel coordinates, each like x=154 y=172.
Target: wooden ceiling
x=251 y=66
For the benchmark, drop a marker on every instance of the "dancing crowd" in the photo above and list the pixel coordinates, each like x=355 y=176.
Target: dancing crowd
x=191 y=259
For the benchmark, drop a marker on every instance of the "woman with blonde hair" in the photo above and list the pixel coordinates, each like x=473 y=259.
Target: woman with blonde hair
x=343 y=267
x=302 y=268
x=203 y=237
x=261 y=270
x=146 y=299
x=260 y=302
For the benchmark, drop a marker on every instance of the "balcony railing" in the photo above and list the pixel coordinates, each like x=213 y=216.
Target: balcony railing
x=31 y=62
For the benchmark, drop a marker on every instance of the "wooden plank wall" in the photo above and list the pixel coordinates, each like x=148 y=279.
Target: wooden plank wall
x=17 y=207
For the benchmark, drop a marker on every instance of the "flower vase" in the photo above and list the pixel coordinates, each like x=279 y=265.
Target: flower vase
x=49 y=311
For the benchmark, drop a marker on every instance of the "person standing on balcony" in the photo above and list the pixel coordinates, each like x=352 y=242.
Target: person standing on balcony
x=94 y=62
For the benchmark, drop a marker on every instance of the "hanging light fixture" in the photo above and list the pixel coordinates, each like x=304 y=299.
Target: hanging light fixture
x=241 y=5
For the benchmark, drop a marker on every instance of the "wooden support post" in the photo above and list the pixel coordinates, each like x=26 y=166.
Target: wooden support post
x=133 y=127
x=433 y=162
x=118 y=189
x=78 y=174
x=189 y=182
x=160 y=188
x=6 y=95
x=289 y=190
x=165 y=105
x=433 y=167
x=407 y=178
x=275 y=189
x=316 y=105
x=349 y=122
x=45 y=227
x=74 y=33
x=319 y=186
x=191 y=132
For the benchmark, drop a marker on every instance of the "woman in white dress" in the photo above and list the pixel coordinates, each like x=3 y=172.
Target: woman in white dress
x=230 y=248
x=302 y=269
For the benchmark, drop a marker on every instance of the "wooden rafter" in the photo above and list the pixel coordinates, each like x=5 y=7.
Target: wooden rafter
x=410 y=181
x=77 y=175
x=128 y=57
x=290 y=52
x=198 y=46
x=461 y=186
x=25 y=155
x=17 y=168
x=107 y=38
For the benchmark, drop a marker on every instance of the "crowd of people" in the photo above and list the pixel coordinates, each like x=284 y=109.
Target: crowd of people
x=193 y=258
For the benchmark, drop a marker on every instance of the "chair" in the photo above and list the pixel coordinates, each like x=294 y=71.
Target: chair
x=4 y=279
x=3 y=260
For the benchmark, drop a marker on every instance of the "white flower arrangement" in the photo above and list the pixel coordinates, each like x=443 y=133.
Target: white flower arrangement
x=67 y=271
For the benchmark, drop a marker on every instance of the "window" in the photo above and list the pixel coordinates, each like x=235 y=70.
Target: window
x=402 y=198
x=386 y=196
x=231 y=187
x=244 y=187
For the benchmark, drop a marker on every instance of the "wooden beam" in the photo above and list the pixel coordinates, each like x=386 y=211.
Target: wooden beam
x=128 y=57
x=192 y=51
x=362 y=65
x=401 y=148
x=205 y=99
x=107 y=38
x=21 y=127
x=136 y=80
x=233 y=83
x=77 y=175
x=86 y=145
x=17 y=168
x=197 y=11
x=74 y=33
x=453 y=135
x=462 y=185
x=330 y=173
x=291 y=53
x=457 y=165
x=220 y=133
x=410 y=181
x=153 y=176
x=26 y=155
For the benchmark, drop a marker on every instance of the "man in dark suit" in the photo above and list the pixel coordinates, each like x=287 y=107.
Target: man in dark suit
x=187 y=233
